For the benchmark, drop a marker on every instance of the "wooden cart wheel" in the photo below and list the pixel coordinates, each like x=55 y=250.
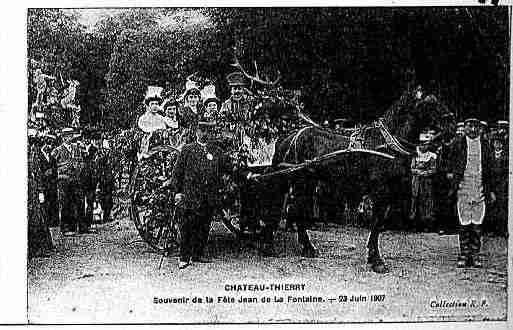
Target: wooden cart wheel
x=231 y=220
x=151 y=208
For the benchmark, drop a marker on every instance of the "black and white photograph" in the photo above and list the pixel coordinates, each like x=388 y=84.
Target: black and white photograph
x=220 y=165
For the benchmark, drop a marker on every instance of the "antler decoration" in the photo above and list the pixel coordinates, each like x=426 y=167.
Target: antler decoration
x=189 y=77
x=255 y=78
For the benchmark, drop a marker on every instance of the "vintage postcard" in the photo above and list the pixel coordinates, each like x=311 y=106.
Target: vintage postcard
x=268 y=165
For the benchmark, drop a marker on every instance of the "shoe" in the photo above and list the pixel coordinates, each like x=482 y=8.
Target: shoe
x=183 y=264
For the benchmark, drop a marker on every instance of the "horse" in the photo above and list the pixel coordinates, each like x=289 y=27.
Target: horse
x=373 y=162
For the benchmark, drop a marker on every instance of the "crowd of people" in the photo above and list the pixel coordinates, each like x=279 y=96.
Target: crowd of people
x=431 y=164
x=239 y=118
x=461 y=184
x=71 y=183
x=196 y=126
x=457 y=180
x=54 y=105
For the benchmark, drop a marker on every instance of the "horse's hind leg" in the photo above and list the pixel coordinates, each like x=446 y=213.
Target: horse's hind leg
x=374 y=258
x=308 y=250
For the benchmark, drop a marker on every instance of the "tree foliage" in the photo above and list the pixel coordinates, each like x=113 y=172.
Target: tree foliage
x=348 y=62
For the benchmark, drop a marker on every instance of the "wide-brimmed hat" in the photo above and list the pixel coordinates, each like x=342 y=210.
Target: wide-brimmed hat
x=236 y=79
x=208 y=94
x=153 y=94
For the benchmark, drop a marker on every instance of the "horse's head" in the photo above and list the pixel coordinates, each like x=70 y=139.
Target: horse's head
x=417 y=111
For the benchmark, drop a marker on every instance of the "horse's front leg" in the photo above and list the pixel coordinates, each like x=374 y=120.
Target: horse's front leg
x=308 y=250
x=376 y=263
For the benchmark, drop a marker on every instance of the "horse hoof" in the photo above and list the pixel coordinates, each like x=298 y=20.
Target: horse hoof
x=379 y=268
x=310 y=253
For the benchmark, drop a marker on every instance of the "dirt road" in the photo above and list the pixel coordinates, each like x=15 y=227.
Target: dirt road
x=103 y=278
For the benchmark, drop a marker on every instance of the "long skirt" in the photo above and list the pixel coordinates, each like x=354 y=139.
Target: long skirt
x=39 y=237
x=422 y=198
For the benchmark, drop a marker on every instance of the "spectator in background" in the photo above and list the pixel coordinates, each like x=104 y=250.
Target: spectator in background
x=40 y=80
x=472 y=182
x=503 y=130
x=105 y=177
x=444 y=205
x=484 y=130
x=423 y=168
x=498 y=219
x=460 y=129
x=48 y=166
x=89 y=180
x=69 y=158
x=39 y=237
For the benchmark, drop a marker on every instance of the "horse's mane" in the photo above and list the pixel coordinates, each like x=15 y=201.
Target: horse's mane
x=394 y=116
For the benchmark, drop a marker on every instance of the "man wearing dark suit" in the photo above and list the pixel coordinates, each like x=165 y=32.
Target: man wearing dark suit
x=105 y=176
x=196 y=182
x=498 y=220
x=69 y=158
x=49 y=182
x=469 y=170
x=89 y=180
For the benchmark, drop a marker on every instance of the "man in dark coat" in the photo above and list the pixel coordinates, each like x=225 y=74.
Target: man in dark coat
x=470 y=173
x=49 y=181
x=497 y=222
x=89 y=181
x=444 y=207
x=39 y=238
x=105 y=177
x=69 y=158
x=196 y=181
